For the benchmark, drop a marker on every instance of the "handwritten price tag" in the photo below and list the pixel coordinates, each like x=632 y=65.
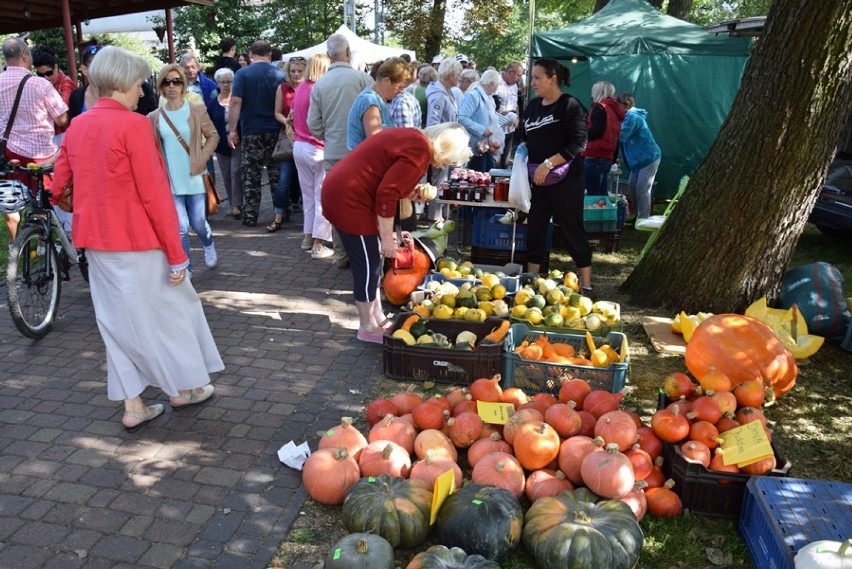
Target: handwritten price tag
x=745 y=445
x=494 y=413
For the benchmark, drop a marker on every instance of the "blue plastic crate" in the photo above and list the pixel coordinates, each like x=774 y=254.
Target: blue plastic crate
x=537 y=376
x=488 y=233
x=782 y=515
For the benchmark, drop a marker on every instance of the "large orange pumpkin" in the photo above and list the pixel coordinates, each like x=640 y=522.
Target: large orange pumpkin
x=744 y=349
x=398 y=284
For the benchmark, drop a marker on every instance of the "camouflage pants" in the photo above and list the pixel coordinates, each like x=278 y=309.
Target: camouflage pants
x=257 y=153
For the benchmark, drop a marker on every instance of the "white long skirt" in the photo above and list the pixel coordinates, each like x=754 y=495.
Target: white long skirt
x=154 y=333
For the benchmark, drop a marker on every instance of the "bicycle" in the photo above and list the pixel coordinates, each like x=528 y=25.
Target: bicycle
x=40 y=257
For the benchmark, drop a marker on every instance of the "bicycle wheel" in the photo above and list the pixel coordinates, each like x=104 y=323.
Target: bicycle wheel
x=33 y=282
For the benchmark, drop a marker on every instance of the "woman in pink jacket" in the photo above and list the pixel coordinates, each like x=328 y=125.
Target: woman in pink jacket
x=149 y=316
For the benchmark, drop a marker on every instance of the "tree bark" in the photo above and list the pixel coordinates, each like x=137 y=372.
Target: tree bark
x=598 y=5
x=731 y=237
x=679 y=9
x=435 y=33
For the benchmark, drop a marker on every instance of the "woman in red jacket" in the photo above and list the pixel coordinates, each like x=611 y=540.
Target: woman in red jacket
x=149 y=316
x=360 y=197
x=604 y=126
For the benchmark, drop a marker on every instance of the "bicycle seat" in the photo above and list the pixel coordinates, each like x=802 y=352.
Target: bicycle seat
x=12 y=196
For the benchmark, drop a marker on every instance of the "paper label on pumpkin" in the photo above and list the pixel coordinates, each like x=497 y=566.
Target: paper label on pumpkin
x=445 y=484
x=746 y=444
x=494 y=413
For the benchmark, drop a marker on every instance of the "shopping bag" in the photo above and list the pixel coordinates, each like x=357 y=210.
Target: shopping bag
x=519 y=184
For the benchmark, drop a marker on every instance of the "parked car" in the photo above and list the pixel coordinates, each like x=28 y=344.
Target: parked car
x=832 y=213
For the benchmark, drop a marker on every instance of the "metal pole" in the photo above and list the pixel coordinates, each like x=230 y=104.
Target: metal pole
x=170 y=30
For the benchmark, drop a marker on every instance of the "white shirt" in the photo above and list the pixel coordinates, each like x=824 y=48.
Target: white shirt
x=508 y=101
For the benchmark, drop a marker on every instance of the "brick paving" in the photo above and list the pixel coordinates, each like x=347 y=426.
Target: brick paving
x=200 y=487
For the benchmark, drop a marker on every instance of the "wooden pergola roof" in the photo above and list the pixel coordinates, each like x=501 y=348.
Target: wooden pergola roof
x=20 y=16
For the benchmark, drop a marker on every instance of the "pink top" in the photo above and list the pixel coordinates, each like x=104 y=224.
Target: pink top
x=301 y=102
x=122 y=198
x=33 y=129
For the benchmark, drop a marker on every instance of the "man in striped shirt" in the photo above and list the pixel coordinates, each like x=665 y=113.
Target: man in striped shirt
x=40 y=111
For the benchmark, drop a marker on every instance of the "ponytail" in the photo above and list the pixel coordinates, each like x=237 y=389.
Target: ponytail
x=552 y=67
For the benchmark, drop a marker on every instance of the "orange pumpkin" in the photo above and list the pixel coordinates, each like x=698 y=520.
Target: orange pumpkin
x=744 y=349
x=398 y=284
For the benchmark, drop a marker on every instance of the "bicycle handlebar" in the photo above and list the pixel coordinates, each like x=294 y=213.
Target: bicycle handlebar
x=32 y=168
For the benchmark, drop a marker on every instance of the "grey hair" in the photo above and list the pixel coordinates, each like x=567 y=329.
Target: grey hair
x=187 y=57
x=117 y=69
x=336 y=46
x=601 y=90
x=14 y=49
x=222 y=73
x=427 y=74
x=471 y=74
x=449 y=68
x=450 y=143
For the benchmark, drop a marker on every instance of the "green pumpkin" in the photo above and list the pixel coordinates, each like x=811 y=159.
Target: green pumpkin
x=480 y=519
x=395 y=508
x=581 y=530
x=441 y=557
x=361 y=551
x=419 y=328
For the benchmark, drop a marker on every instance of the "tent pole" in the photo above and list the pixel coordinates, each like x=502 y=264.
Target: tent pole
x=69 y=40
x=170 y=30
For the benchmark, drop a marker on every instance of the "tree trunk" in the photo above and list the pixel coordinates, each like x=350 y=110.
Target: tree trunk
x=598 y=5
x=679 y=9
x=435 y=33
x=731 y=237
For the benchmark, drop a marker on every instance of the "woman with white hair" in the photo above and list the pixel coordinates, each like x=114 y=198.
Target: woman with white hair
x=227 y=157
x=478 y=115
x=360 y=197
x=604 y=125
x=150 y=318
x=441 y=107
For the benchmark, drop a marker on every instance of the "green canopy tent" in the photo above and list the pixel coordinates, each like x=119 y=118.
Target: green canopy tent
x=685 y=77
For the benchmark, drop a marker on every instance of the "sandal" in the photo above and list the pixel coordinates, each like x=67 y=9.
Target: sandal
x=151 y=412
x=273 y=227
x=193 y=398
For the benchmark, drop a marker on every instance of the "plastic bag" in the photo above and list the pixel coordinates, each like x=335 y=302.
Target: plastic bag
x=519 y=184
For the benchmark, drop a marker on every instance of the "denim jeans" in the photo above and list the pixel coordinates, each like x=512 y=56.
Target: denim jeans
x=597 y=173
x=288 y=178
x=191 y=211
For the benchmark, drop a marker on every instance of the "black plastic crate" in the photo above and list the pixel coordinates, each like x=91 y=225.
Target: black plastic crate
x=709 y=492
x=443 y=365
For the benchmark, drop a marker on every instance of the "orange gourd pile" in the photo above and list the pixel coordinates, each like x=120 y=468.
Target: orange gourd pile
x=541 y=349
x=549 y=444
x=698 y=413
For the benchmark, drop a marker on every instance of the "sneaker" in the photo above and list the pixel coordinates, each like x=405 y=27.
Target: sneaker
x=322 y=252
x=210 y=256
x=307 y=243
x=372 y=337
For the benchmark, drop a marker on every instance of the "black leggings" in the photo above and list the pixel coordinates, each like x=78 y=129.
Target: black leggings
x=565 y=199
x=365 y=258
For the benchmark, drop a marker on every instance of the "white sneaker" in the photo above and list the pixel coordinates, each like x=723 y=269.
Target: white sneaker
x=210 y=256
x=322 y=253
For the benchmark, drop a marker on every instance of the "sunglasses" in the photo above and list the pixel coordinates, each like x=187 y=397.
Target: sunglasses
x=172 y=82
x=296 y=60
x=45 y=74
x=92 y=50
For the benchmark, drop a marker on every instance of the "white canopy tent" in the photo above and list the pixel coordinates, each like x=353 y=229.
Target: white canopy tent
x=363 y=51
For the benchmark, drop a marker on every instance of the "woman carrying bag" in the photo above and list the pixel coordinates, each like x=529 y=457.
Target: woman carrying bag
x=180 y=127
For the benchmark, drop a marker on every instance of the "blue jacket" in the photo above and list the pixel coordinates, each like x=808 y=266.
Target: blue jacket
x=475 y=113
x=638 y=146
x=217 y=115
x=209 y=89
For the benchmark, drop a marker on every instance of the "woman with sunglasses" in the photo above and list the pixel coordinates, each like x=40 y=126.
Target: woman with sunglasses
x=288 y=178
x=149 y=316
x=180 y=126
